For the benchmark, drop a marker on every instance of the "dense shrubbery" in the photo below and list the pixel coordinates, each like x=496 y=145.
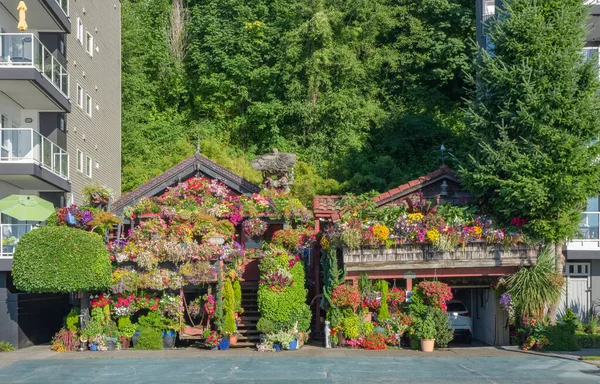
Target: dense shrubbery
x=150 y=338
x=61 y=259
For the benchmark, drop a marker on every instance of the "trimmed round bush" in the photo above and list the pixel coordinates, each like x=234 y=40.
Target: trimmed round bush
x=60 y=260
x=150 y=338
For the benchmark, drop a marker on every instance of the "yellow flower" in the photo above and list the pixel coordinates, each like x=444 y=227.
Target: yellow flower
x=414 y=217
x=381 y=232
x=433 y=235
x=477 y=230
x=325 y=244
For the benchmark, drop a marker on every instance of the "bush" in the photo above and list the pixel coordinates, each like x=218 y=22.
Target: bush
x=229 y=307
x=5 y=346
x=561 y=337
x=237 y=295
x=61 y=260
x=383 y=313
x=72 y=321
x=587 y=341
x=150 y=338
x=443 y=333
x=351 y=325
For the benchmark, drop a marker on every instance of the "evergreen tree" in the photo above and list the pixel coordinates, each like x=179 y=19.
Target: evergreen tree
x=535 y=117
x=383 y=313
x=237 y=294
x=229 y=308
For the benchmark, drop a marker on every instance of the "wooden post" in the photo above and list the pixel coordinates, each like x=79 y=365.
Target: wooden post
x=408 y=285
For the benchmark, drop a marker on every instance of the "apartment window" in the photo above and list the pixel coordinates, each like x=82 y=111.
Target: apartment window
x=61 y=121
x=88 y=166
x=88 y=105
x=80 y=161
x=80 y=30
x=79 y=96
x=90 y=43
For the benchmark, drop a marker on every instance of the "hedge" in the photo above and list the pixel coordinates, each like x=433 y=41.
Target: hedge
x=561 y=338
x=61 y=260
x=587 y=341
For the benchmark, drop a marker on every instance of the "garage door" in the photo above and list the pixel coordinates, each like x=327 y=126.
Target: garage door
x=577 y=292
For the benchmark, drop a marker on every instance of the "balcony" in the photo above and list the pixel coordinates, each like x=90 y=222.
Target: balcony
x=424 y=256
x=31 y=161
x=43 y=15
x=31 y=75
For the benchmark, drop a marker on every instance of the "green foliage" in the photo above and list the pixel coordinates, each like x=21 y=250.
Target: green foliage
x=361 y=91
x=61 y=259
x=383 y=313
x=592 y=326
x=561 y=337
x=155 y=321
x=587 y=341
x=570 y=319
x=332 y=275
x=52 y=220
x=237 y=295
x=425 y=328
x=72 y=320
x=5 y=346
x=125 y=326
x=289 y=306
x=535 y=118
x=534 y=288
x=219 y=305
x=229 y=307
x=150 y=338
x=364 y=283
x=443 y=333
x=351 y=324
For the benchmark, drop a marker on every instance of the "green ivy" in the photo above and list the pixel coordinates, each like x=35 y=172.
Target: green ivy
x=61 y=259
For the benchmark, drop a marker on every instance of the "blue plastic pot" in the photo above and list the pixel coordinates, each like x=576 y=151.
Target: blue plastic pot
x=94 y=347
x=169 y=339
x=224 y=345
x=135 y=338
x=215 y=348
x=294 y=345
x=277 y=347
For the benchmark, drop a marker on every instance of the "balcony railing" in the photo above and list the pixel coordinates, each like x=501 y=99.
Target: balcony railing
x=21 y=50
x=25 y=145
x=589 y=227
x=64 y=5
x=10 y=234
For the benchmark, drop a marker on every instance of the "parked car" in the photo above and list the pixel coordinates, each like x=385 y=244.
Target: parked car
x=460 y=320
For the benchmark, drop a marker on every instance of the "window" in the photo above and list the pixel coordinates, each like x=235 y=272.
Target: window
x=79 y=161
x=80 y=30
x=90 y=44
x=79 y=96
x=61 y=121
x=88 y=105
x=88 y=166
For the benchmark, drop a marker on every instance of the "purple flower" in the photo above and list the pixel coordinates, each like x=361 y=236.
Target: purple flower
x=505 y=301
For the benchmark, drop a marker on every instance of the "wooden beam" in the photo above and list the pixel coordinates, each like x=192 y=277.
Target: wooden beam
x=430 y=273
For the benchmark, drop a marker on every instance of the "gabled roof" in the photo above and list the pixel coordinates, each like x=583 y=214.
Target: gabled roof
x=325 y=206
x=190 y=167
x=393 y=194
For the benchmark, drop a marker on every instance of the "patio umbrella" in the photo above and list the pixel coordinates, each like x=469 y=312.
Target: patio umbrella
x=26 y=208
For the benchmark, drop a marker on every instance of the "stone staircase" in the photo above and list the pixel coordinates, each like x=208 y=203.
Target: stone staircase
x=249 y=335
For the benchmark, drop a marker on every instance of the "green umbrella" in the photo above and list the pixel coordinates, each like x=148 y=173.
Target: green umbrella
x=26 y=208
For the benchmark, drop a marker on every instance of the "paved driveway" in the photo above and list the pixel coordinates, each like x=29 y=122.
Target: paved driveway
x=297 y=369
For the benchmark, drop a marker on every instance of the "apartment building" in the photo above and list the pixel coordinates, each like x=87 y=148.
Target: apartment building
x=582 y=266
x=60 y=124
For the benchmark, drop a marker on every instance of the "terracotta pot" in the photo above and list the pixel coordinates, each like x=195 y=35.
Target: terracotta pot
x=125 y=343
x=341 y=339
x=427 y=345
x=233 y=340
x=368 y=317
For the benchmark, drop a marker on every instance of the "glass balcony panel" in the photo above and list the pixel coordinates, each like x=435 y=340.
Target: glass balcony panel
x=589 y=226
x=64 y=5
x=56 y=73
x=10 y=234
x=47 y=153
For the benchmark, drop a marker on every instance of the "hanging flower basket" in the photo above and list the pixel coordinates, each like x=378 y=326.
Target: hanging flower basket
x=255 y=227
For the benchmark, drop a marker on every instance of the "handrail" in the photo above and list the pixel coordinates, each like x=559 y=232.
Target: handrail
x=26 y=50
x=26 y=145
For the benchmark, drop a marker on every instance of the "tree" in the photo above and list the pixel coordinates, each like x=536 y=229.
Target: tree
x=60 y=259
x=229 y=308
x=535 y=117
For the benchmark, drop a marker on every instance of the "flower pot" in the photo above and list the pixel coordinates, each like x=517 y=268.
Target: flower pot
x=224 y=345
x=135 y=338
x=368 y=317
x=125 y=343
x=341 y=338
x=94 y=347
x=169 y=339
x=233 y=340
x=215 y=348
x=111 y=343
x=334 y=345
x=277 y=347
x=294 y=345
x=427 y=345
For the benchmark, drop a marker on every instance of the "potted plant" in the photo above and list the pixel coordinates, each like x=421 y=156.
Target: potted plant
x=426 y=331
x=212 y=339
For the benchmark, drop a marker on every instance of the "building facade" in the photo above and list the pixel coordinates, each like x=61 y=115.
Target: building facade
x=60 y=122
x=582 y=254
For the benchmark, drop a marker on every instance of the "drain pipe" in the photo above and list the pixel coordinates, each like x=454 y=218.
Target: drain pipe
x=327 y=339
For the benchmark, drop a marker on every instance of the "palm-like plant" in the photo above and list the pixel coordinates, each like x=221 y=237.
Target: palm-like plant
x=534 y=289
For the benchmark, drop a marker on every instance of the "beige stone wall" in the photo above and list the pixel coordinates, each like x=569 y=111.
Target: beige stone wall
x=98 y=136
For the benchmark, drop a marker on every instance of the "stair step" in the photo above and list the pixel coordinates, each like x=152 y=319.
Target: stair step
x=244 y=317
x=249 y=331
x=244 y=344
